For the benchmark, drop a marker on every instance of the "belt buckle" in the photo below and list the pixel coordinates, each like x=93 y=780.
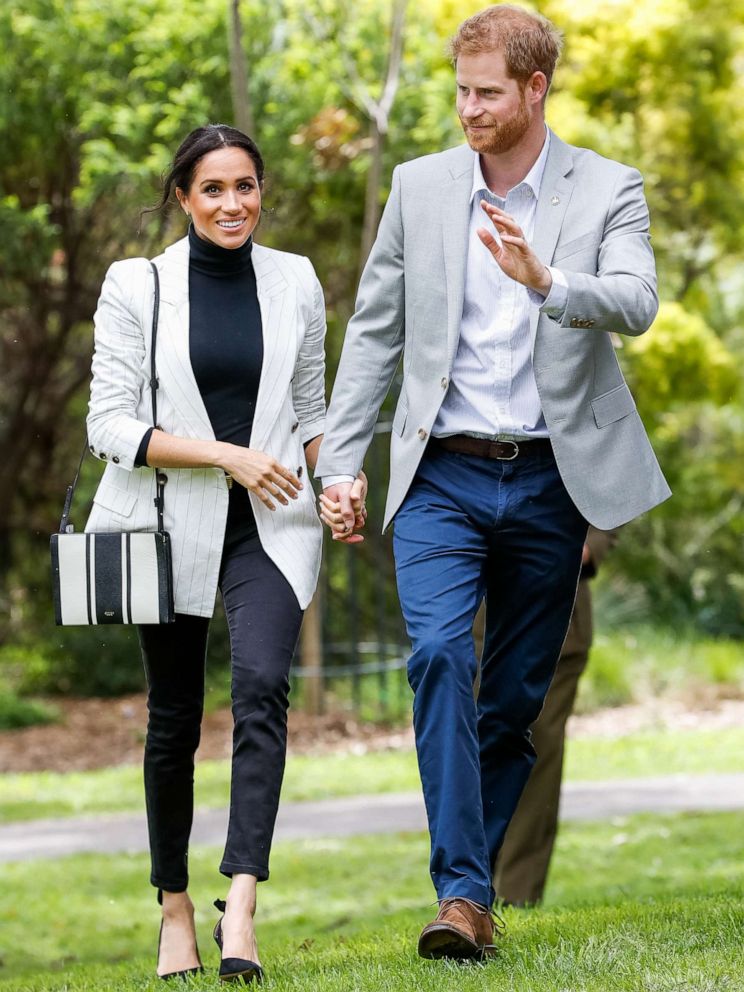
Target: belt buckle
x=508 y=458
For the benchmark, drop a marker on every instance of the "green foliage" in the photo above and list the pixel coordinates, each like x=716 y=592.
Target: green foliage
x=679 y=362
x=640 y=663
x=96 y=97
x=16 y=712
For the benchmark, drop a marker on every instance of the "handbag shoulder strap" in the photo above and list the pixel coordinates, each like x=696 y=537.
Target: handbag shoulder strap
x=65 y=527
x=160 y=477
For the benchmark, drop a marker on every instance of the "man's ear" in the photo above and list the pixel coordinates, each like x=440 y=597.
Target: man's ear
x=537 y=87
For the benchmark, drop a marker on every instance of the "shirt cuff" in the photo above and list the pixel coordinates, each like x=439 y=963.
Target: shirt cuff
x=140 y=459
x=554 y=304
x=333 y=480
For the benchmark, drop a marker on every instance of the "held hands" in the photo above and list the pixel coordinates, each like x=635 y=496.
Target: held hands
x=512 y=253
x=342 y=509
x=261 y=474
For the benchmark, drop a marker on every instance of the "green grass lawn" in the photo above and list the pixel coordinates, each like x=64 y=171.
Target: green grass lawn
x=643 y=904
x=44 y=794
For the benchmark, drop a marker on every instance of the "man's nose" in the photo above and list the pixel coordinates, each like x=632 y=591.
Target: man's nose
x=471 y=108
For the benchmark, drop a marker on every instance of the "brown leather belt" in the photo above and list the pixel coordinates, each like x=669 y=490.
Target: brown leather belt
x=507 y=451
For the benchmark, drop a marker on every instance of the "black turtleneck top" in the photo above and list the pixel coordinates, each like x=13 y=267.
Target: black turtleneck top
x=226 y=351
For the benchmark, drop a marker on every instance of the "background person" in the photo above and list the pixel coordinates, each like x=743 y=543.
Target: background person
x=523 y=862
x=499 y=271
x=240 y=363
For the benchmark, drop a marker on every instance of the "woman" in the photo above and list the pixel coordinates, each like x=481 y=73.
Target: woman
x=240 y=367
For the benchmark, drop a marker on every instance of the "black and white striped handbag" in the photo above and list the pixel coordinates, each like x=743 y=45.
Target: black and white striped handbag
x=115 y=578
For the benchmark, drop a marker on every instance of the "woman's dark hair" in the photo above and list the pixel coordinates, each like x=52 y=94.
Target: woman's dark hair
x=199 y=143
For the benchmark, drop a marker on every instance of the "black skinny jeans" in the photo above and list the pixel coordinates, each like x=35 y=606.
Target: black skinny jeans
x=264 y=619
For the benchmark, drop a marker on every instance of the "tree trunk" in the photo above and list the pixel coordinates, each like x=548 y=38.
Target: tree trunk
x=242 y=111
x=379 y=114
x=311 y=644
x=372 y=197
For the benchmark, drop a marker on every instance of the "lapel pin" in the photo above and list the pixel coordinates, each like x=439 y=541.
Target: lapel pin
x=555 y=201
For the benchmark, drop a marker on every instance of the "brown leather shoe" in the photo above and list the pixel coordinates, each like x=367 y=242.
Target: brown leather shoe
x=462 y=929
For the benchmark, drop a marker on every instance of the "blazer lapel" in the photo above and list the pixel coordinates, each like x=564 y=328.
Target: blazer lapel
x=173 y=358
x=278 y=302
x=455 y=224
x=552 y=203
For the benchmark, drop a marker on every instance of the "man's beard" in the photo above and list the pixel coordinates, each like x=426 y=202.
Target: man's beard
x=499 y=136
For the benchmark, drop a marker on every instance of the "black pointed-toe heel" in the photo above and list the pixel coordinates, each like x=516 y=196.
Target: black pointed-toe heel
x=235 y=969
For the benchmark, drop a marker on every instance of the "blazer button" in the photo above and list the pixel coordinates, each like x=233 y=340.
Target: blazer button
x=102 y=454
x=422 y=433
x=115 y=459
x=299 y=471
x=91 y=448
x=444 y=383
x=574 y=322
x=295 y=425
x=590 y=323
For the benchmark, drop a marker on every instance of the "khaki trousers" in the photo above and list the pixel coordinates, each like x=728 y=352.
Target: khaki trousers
x=522 y=864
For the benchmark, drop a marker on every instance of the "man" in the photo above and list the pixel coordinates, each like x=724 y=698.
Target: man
x=524 y=859
x=499 y=270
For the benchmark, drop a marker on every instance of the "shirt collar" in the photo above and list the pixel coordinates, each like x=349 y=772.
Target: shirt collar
x=533 y=179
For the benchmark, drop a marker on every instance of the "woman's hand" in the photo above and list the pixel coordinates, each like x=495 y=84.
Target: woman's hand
x=261 y=474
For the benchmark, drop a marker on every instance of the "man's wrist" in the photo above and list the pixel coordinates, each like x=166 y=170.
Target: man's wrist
x=334 y=480
x=544 y=284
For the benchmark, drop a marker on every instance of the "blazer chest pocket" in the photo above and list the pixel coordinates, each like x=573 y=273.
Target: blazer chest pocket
x=583 y=243
x=115 y=500
x=401 y=415
x=612 y=406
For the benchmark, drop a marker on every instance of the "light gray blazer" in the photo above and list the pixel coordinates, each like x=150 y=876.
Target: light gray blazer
x=290 y=409
x=592 y=224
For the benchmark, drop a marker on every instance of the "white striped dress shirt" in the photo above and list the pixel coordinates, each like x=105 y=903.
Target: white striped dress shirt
x=492 y=391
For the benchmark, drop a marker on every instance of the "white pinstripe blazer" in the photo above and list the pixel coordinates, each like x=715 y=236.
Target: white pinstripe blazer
x=290 y=410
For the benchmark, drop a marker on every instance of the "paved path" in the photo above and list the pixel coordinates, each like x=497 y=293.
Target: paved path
x=127 y=832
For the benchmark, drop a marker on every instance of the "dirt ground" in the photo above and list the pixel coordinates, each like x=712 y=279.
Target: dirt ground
x=97 y=733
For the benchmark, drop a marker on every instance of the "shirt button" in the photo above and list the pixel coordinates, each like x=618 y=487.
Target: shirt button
x=444 y=383
x=422 y=433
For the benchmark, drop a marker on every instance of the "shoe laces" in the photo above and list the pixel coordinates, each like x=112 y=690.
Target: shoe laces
x=499 y=924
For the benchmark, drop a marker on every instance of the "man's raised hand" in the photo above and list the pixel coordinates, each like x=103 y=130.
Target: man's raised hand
x=512 y=253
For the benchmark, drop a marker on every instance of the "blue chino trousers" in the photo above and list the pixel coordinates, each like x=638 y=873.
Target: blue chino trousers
x=472 y=527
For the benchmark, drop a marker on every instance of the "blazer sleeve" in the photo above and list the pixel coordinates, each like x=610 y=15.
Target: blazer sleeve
x=308 y=385
x=114 y=431
x=622 y=296
x=372 y=348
